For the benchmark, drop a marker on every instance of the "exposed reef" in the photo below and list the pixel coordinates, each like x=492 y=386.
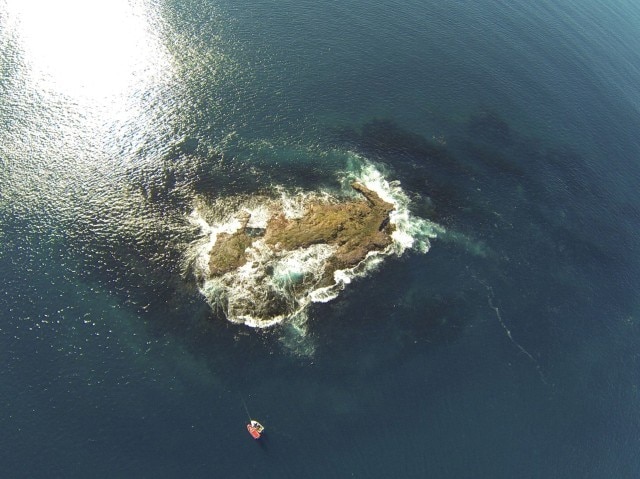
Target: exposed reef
x=229 y=251
x=264 y=259
x=353 y=227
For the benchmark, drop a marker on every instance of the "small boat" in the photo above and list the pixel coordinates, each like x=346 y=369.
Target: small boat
x=255 y=429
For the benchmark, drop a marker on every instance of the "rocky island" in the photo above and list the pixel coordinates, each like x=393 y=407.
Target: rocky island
x=352 y=227
x=262 y=259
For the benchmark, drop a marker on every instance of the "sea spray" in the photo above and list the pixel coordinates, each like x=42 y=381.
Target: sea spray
x=410 y=232
x=275 y=285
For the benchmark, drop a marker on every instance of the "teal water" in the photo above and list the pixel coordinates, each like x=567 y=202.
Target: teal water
x=509 y=349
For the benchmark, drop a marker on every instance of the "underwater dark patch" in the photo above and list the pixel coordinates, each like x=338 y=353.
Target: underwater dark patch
x=489 y=126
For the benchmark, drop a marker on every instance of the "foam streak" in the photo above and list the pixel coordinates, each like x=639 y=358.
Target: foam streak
x=490 y=298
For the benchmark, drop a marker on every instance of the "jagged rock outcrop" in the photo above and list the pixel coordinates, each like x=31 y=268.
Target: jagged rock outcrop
x=228 y=253
x=354 y=227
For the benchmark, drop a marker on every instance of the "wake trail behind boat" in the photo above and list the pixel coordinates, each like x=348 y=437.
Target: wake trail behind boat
x=245 y=407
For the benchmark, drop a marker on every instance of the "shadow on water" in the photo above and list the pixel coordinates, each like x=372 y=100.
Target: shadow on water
x=410 y=307
x=476 y=182
x=553 y=280
x=485 y=181
x=536 y=205
x=446 y=179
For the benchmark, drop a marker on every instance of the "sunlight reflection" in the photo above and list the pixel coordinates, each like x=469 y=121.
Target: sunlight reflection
x=88 y=50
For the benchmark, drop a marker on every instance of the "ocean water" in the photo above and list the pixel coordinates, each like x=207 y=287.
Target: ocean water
x=502 y=341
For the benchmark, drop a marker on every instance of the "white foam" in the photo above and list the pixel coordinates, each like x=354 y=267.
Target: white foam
x=276 y=286
x=258 y=214
x=298 y=265
x=210 y=234
x=293 y=206
x=294 y=336
x=410 y=232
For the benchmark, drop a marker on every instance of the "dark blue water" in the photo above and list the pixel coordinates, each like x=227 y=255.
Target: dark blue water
x=510 y=349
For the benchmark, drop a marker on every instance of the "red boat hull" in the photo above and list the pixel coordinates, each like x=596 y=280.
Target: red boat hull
x=253 y=431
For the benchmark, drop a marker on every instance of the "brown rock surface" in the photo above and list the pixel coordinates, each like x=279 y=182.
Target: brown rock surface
x=356 y=227
x=229 y=251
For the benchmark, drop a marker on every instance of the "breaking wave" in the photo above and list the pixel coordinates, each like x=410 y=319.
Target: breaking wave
x=275 y=285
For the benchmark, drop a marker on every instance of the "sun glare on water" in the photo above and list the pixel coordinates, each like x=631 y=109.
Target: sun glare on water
x=87 y=50
x=88 y=84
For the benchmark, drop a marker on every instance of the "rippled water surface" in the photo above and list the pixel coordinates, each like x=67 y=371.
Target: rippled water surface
x=503 y=344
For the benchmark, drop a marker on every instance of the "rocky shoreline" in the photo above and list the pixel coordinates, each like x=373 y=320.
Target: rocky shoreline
x=354 y=227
